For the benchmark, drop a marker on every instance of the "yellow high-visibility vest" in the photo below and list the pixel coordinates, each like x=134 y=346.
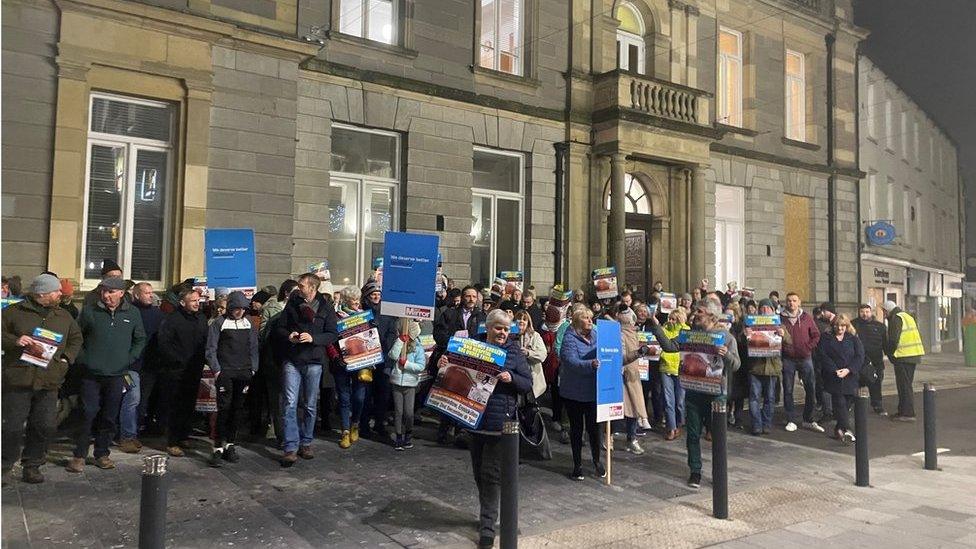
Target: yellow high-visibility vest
x=910 y=341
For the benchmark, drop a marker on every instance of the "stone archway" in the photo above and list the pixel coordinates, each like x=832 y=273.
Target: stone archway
x=646 y=226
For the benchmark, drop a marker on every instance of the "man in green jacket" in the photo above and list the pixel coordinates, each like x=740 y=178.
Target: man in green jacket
x=114 y=339
x=31 y=379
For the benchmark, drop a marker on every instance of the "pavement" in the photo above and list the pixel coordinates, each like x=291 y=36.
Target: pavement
x=784 y=491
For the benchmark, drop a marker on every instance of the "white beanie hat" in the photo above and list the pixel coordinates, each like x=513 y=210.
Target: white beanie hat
x=889 y=305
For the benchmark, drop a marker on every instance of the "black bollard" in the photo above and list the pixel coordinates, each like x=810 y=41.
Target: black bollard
x=861 y=460
x=152 y=504
x=720 y=466
x=931 y=449
x=509 y=489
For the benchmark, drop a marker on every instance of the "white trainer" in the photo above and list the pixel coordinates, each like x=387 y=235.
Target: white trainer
x=813 y=426
x=635 y=448
x=790 y=427
x=848 y=437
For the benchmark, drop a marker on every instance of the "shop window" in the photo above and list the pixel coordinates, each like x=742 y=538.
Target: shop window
x=502 y=35
x=362 y=200
x=729 y=235
x=796 y=112
x=127 y=187
x=496 y=213
x=370 y=19
x=730 y=77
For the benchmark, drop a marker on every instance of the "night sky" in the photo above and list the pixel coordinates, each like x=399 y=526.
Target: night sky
x=928 y=47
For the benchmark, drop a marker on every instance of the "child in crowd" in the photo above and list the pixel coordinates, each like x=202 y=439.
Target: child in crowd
x=409 y=363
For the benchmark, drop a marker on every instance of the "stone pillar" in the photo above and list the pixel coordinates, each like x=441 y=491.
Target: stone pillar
x=618 y=215
x=696 y=215
x=691 y=56
x=678 y=41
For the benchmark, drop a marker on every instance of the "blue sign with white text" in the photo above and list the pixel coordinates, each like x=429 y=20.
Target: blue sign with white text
x=409 y=274
x=230 y=259
x=609 y=376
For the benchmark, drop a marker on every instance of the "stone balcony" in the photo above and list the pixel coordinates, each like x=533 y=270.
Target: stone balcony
x=650 y=99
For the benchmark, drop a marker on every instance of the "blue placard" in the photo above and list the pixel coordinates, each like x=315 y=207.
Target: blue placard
x=230 y=259
x=880 y=233
x=609 y=376
x=409 y=273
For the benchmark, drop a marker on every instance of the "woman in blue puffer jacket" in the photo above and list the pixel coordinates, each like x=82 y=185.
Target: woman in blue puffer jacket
x=577 y=388
x=404 y=377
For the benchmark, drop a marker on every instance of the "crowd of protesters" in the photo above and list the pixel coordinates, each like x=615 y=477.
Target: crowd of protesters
x=130 y=362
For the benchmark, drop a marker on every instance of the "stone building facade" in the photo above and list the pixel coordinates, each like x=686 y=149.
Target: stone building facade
x=675 y=140
x=912 y=182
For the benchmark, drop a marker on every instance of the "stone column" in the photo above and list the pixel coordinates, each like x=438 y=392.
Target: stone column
x=691 y=35
x=696 y=215
x=618 y=215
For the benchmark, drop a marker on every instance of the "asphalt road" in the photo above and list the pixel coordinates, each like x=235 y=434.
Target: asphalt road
x=955 y=428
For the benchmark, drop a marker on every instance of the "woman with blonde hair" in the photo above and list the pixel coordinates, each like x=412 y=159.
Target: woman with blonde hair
x=577 y=388
x=841 y=354
x=632 y=350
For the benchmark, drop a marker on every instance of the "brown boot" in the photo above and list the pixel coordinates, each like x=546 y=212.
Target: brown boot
x=672 y=434
x=32 y=475
x=75 y=465
x=289 y=459
x=104 y=462
x=305 y=452
x=130 y=446
x=175 y=451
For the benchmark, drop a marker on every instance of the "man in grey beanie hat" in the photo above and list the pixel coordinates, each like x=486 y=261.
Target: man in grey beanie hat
x=32 y=373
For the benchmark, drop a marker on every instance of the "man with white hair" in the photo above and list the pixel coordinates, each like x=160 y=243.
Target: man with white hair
x=905 y=351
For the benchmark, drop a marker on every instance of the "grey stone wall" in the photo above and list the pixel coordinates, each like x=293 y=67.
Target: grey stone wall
x=29 y=39
x=439 y=137
x=252 y=154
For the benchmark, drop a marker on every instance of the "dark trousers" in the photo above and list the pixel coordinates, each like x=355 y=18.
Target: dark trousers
x=904 y=376
x=256 y=405
x=101 y=398
x=557 y=401
x=804 y=368
x=230 y=405
x=698 y=418
x=486 y=459
x=842 y=409
x=877 y=362
x=653 y=387
x=272 y=385
x=152 y=404
x=182 y=390
x=31 y=413
x=378 y=394
x=582 y=414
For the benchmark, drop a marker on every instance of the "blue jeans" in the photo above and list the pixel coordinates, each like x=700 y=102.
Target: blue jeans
x=98 y=394
x=352 y=396
x=762 y=387
x=300 y=388
x=674 y=401
x=129 y=413
x=803 y=367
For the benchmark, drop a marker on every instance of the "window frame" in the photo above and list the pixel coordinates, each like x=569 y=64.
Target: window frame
x=625 y=38
x=364 y=181
x=872 y=111
x=493 y=195
x=127 y=215
x=395 y=11
x=729 y=118
x=723 y=220
x=521 y=48
x=800 y=133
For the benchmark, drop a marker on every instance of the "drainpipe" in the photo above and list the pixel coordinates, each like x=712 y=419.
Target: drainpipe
x=832 y=179
x=561 y=149
x=857 y=164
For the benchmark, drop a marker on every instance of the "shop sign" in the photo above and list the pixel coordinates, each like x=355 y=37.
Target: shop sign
x=935 y=285
x=951 y=286
x=918 y=282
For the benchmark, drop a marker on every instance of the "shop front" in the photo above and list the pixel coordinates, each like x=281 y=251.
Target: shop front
x=935 y=299
x=882 y=282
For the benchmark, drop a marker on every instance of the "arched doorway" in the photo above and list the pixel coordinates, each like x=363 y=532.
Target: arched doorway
x=639 y=224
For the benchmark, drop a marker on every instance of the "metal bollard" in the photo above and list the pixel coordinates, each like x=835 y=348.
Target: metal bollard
x=861 y=459
x=509 y=490
x=931 y=449
x=720 y=466
x=152 y=504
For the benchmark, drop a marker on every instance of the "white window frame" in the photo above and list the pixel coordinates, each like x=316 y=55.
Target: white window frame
x=903 y=124
x=872 y=111
x=725 y=61
x=889 y=122
x=364 y=183
x=872 y=196
x=496 y=64
x=626 y=38
x=364 y=23
x=797 y=133
x=915 y=143
x=722 y=221
x=507 y=195
x=132 y=145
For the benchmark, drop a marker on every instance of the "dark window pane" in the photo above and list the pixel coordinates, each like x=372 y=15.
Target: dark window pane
x=364 y=153
x=130 y=119
x=496 y=172
x=148 y=211
x=106 y=184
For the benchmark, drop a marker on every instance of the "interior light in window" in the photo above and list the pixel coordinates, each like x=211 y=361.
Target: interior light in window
x=387 y=33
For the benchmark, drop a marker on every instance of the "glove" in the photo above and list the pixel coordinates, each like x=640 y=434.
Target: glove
x=404 y=337
x=402 y=361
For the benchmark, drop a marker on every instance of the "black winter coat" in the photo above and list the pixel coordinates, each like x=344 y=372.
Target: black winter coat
x=503 y=402
x=449 y=323
x=180 y=341
x=387 y=327
x=836 y=355
x=873 y=336
x=152 y=319
x=321 y=325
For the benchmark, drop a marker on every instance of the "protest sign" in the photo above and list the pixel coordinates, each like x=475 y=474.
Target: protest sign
x=42 y=350
x=8 y=301
x=427 y=340
x=359 y=341
x=701 y=366
x=513 y=281
x=514 y=330
x=462 y=388
x=230 y=260
x=378 y=272
x=605 y=282
x=497 y=288
x=653 y=355
x=409 y=270
x=205 y=291
x=726 y=320
x=609 y=376
x=207 y=392
x=557 y=305
x=762 y=335
x=668 y=302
